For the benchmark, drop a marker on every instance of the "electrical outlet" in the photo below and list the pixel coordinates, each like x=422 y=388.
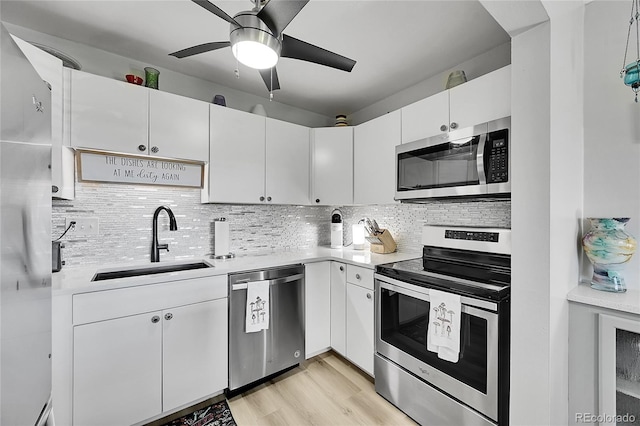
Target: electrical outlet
x=85 y=226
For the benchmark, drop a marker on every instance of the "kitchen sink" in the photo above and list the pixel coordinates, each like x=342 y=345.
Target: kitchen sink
x=160 y=269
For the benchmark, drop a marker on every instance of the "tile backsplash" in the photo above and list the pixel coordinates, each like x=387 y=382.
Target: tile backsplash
x=125 y=221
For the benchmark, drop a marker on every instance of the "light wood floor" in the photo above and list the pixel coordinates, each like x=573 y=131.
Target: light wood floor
x=325 y=390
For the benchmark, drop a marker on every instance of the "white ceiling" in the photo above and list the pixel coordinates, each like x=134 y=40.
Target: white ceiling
x=396 y=43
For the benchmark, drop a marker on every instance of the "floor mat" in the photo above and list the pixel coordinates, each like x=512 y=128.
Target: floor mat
x=217 y=414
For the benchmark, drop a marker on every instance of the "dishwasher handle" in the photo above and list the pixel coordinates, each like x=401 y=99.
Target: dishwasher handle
x=243 y=285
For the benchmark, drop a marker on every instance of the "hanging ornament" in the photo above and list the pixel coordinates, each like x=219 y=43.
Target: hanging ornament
x=631 y=72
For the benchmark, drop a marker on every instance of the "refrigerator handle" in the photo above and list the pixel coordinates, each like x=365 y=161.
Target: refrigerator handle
x=46 y=416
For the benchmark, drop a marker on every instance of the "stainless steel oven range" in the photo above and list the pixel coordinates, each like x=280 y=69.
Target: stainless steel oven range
x=474 y=263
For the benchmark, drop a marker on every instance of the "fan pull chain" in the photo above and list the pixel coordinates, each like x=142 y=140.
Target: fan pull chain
x=237 y=70
x=271 y=87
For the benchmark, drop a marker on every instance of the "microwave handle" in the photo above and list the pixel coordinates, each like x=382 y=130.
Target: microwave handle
x=480 y=163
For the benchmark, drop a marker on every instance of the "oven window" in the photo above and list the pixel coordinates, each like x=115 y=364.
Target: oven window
x=440 y=166
x=404 y=325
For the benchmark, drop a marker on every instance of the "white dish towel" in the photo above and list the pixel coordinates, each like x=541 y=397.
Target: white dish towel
x=257 y=313
x=443 y=334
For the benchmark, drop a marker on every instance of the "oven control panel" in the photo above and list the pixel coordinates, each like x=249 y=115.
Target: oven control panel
x=471 y=236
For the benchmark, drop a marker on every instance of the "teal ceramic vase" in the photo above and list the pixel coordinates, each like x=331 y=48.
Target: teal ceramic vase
x=609 y=247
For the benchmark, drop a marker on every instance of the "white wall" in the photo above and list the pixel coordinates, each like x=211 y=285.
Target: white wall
x=530 y=222
x=100 y=62
x=491 y=60
x=612 y=124
x=566 y=199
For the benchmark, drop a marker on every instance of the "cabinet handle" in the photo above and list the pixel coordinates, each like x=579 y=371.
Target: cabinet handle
x=155 y=149
x=317 y=200
x=168 y=316
x=357 y=276
x=261 y=198
x=342 y=269
x=268 y=198
x=453 y=125
x=142 y=147
x=369 y=296
x=443 y=128
x=155 y=319
x=54 y=189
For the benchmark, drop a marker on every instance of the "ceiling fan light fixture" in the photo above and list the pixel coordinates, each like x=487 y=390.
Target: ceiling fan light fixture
x=253 y=44
x=254 y=54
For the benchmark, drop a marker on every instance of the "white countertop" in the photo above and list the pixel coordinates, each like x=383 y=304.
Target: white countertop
x=78 y=280
x=628 y=301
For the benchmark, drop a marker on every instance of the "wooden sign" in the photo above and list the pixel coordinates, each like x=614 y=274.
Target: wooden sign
x=104 y=167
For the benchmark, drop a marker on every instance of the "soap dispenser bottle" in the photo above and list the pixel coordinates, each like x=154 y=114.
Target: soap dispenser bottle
x=336 y=229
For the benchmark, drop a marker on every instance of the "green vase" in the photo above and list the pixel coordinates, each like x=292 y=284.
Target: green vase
x=151 y=77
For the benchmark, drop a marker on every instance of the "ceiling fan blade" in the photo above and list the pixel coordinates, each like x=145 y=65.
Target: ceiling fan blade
x=277 y=14
x=298 y=49
x=266 y=77
x=216 y=11
x=201 y=48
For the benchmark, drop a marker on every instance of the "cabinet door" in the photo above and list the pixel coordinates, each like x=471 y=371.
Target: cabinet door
x=332 y=166
x=287 y=167
x=482 y=99
x=338 y=307
x=425 y=118
x=117 y=370
x=237 y=156
x=108 y=114
x=360 y=326
x=317 y=308
x=178 y=127
x=194 y=352
x=374 y=162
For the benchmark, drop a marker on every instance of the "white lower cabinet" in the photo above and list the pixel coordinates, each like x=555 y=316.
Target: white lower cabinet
x=194 y=347
x=339 y=307
x=117 y=371
x=136 y=356
x=352 y=314
x=317 y=308
x=360 y=326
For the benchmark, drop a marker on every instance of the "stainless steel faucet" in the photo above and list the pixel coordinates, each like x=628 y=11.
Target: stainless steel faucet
x=173 y=226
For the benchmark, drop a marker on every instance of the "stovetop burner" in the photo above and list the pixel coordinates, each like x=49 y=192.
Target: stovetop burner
x=413 y=272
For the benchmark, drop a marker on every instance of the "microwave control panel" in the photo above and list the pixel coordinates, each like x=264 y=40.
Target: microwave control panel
x=497 y=151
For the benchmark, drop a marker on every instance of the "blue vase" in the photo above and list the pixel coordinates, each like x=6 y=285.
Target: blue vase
x=632 y=75
x=609 y=247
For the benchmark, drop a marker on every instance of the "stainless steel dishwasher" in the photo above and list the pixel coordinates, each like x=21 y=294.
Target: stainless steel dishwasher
x=253 y=356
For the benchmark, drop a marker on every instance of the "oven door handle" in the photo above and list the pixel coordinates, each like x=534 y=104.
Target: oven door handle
x=422 y=293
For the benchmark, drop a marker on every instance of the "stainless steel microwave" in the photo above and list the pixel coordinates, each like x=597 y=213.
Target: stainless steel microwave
x=470 y=162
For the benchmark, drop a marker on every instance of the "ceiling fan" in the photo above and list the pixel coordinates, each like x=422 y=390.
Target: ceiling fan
x=257 y=40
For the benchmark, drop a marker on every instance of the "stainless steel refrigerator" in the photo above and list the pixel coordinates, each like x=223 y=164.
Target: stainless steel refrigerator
x=25 y=240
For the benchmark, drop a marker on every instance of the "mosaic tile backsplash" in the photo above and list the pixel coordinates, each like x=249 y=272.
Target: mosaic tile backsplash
x=125 y=219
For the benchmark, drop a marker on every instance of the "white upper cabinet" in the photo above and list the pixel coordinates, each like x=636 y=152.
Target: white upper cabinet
x=287 y=166
x=178 y=127
x=482 y=99
x=425 y=118
x=112 y=115
x=374 y=144
x=107 y=114
x=332 y=164
x=237 y=156
x=256 y=160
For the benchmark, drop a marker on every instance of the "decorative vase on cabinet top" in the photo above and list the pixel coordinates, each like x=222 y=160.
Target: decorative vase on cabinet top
x=609 y=247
